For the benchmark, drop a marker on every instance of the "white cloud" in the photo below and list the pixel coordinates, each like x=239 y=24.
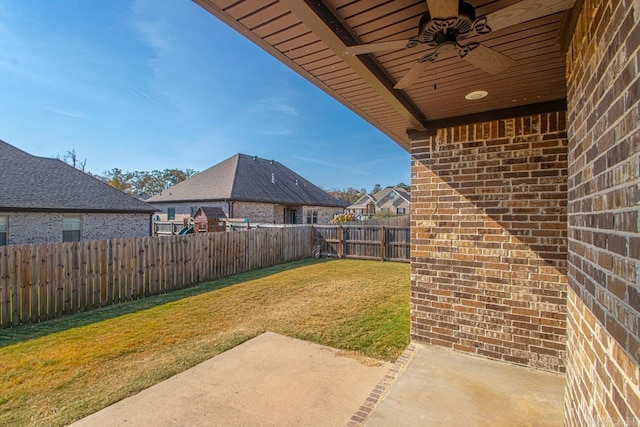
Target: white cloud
x=272 y=107
x=279 y=105
x=143 y=96
x=152 y=24
x=349 y=170
x=275 y=131
x=271 y=116
x=77 y=114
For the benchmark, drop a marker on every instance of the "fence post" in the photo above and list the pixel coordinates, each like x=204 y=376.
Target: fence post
x=383 y=244
x=340 y=242
x=312 y=240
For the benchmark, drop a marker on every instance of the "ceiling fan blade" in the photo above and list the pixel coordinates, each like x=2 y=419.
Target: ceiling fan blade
x=376 y=47
x=442 y=9
x=490 y=60
x=413 y=74
x=524 y=11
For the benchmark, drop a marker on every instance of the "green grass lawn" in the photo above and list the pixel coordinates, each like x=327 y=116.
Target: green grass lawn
x=58 y=372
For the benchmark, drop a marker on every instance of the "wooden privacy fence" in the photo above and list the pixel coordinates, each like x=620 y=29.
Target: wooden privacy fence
x=364 y=242
x=392 y=221
x=42 y=282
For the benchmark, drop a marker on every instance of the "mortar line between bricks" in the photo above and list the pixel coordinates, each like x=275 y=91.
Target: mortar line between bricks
x=383 y=387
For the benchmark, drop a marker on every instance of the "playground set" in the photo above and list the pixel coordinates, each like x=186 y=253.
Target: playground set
x=205 y=220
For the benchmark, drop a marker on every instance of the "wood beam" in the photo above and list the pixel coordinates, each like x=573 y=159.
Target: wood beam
x=421 y=135
x=324 y=24
x=487 y=116
x=569 y=23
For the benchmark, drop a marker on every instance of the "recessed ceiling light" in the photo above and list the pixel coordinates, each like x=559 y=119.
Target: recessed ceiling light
x=478 y=94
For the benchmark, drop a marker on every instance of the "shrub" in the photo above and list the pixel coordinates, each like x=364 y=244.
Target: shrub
x=343 y=217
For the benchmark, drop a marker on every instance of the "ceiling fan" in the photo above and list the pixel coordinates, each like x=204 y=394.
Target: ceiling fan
x=448 y=22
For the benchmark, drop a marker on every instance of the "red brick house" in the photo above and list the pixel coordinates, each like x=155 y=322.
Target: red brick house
x=523 y=123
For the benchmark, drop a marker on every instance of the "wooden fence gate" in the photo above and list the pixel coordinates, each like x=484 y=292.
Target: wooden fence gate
x=364 y=242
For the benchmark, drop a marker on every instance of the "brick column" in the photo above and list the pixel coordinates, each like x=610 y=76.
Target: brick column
x=603 y=350
x=488 y=246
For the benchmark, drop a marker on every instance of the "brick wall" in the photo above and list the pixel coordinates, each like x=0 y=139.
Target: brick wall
x=257 y=212
x=111 y=226
x=603 y=65
x=268 y=213
x=325 y=214
x=27 y=227
x=43 y=227
x=488 y=244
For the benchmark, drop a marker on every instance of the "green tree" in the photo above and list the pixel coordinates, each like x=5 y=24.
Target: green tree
x=404 y=186
x=139 y=182
x=118 y=179
x=350 y=194
x=376 y=188
x=383 y=214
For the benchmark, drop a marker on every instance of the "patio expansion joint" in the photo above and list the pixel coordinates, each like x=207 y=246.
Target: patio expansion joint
x=382 y=389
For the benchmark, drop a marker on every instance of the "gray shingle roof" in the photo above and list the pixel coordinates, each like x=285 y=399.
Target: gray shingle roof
x=211 y=212
x=249 y=178
x=30 y=183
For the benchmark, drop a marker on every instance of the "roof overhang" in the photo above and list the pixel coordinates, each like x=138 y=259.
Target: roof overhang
x=74 y=210
x=310 y=36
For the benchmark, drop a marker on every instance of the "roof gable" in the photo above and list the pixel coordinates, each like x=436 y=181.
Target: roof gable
x=363 y=201
x=45 y=184
x=382 y=198
x=215 y=183
x=210 y=212
x=249 y=178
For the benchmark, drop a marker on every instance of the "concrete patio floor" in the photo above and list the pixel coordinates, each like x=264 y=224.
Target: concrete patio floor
x=273 y=380
x=440 y=387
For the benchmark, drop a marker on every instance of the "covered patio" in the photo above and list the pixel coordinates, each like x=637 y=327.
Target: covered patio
x=523 y=123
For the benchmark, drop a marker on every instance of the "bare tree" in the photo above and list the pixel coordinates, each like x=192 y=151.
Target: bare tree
x=71 y=157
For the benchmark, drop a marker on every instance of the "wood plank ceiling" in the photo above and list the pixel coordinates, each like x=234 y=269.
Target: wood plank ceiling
x=310 y=36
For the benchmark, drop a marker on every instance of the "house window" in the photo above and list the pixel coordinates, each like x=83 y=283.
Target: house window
x=400 y=211
x=71 y=228
x=3 y=230
x=171 y=214
x=392 y=195
x=312 y=217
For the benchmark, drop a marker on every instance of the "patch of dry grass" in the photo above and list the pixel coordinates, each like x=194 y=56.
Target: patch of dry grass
x=361 y=306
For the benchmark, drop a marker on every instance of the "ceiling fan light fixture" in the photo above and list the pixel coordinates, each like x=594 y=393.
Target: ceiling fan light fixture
x=476 y=94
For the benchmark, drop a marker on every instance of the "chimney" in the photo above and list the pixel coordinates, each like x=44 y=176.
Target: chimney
x=273 y=178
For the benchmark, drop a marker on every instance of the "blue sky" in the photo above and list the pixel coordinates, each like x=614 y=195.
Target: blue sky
x=155 y=84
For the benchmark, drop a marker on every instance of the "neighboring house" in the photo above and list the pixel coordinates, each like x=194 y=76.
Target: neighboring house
x=393 y=200
x=44 y=200
x=262 y=191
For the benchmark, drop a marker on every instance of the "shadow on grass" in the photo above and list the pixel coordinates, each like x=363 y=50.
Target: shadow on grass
x=28 y=332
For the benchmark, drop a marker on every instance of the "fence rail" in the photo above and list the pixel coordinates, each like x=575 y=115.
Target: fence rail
x=166 y=228
x=364 y=242
x=46 y=281
x=392 y=221
x=42 y=282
